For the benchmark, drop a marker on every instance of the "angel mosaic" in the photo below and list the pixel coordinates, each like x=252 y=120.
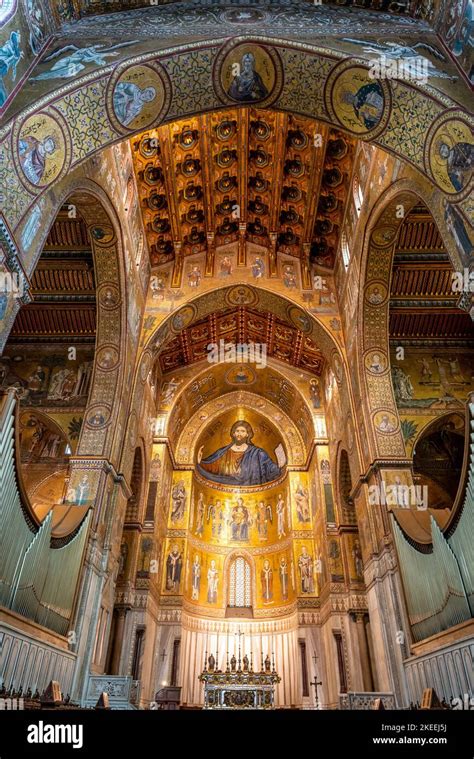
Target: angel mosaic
x=70 y=65
x=409 y=54
x=10 y=56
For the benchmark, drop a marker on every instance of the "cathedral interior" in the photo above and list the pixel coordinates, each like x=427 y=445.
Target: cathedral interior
x=236 y=368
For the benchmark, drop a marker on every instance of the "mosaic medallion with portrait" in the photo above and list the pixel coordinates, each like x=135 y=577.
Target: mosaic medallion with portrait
x=241 y=295
x=376 y=362
x=449 y=156
x=107 y=357
x=241 y=374
x=98 y=416
x=145 y=366
x=376 y=293
x=299 y=319
x=183 y=318
x=385 y=422
x=103 y=235
x=138 y=96
x=358 y=102
x=248 y=73
x=109 y=296
x=42 y=148
x=384 y=236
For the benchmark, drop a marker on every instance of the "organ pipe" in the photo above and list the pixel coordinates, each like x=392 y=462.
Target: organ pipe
x=433 y=586
x=36 y=580
x=462 y=540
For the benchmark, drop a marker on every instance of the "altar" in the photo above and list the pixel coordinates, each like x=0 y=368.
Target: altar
x=239 y=686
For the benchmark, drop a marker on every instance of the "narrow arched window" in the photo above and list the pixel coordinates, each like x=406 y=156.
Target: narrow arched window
x=358 y=194
x=346 y=255
x=345 y=489
x=240 y=583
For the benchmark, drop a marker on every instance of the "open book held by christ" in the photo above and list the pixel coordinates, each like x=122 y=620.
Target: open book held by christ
x=240 y=462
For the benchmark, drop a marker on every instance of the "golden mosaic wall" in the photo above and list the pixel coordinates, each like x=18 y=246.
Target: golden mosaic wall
x=269 y=526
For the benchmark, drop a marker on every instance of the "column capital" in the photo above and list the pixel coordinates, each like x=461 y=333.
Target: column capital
x=122 y=609
x=358 y=615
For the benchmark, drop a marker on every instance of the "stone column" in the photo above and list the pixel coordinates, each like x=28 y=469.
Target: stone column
x=118 y=640
x=359 y=618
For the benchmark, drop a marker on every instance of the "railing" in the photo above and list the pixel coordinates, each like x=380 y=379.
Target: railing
x=123 y=692
x=362 y=701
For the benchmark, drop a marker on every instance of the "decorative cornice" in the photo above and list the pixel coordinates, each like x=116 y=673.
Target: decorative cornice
x=407 y=257
x=225 y=550
x=432 y=342
x=194 y=623
x=424 y=302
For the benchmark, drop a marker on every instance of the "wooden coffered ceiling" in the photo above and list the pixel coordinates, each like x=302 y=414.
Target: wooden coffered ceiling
x=242 y=325
x=63 y=288
x=278 y=180
x=423 y=305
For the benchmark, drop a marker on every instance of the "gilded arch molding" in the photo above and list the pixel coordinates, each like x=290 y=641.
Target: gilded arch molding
x=244 y=295
x=265 y=300
x=100 y=415
x=382 y=416
x=307 y=77
x=188 y=400
x=96 y=439
x=224 y=297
